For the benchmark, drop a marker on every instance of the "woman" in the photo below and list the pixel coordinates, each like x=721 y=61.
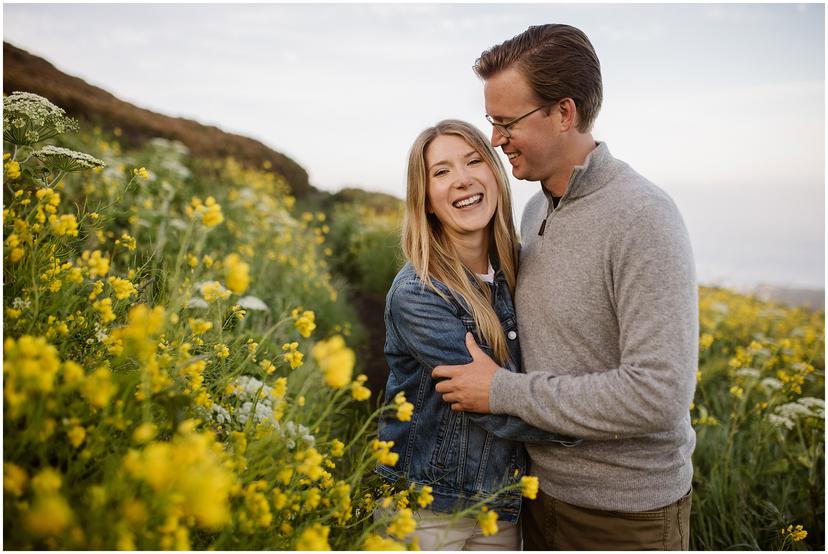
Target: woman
x=462 y=252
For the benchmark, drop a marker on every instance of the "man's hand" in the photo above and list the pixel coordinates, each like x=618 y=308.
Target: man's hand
x=467 y=386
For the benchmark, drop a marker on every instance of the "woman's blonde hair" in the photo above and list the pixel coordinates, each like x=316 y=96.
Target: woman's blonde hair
x=431 y=252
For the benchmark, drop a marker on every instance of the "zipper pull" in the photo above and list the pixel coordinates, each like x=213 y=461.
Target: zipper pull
x=543 y=226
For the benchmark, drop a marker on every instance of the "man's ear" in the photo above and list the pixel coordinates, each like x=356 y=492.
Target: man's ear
x=569 y=114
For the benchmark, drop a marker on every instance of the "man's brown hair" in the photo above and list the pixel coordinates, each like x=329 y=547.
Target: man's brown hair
x=558 y=61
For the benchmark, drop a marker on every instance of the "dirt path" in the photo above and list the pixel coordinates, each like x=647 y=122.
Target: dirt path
x=370 y=308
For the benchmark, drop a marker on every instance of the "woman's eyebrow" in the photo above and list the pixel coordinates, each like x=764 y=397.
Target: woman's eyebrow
x=445 y=162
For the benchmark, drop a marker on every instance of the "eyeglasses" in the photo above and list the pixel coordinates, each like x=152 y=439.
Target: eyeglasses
x=503 y=128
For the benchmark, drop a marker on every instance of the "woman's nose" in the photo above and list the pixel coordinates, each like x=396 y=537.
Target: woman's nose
x=464 y=178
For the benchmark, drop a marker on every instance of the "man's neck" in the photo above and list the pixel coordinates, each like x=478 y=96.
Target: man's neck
x=574 y=156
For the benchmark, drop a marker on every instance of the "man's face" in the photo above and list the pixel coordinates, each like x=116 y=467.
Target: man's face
x=534 y=145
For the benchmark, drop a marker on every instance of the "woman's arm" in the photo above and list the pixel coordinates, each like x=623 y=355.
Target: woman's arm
x=431 y=331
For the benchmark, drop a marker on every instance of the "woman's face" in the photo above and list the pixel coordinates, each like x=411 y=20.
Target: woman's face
x=462 y=189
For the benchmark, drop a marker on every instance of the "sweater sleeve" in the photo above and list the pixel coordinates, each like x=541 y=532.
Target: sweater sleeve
x=434 y=335
x=656 y=303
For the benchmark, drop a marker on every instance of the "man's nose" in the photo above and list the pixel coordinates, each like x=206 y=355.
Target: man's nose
x=497 y=138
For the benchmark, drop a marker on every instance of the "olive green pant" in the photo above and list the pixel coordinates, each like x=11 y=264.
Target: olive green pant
x=550 y=524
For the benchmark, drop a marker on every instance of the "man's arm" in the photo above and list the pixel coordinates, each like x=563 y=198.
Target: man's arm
x=433 y=333
x=650 y=391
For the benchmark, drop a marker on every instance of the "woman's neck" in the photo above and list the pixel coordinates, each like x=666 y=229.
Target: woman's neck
x=473 y=251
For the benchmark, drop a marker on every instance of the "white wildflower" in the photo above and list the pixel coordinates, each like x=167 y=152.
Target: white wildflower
x=20 y=304
x=816 y=405
x=748 y=372
x=29 y=118
x=771 y=383
x=780 y=421
x=100 y=334
x=253 y=303
x=66 y=160
x=197 y=302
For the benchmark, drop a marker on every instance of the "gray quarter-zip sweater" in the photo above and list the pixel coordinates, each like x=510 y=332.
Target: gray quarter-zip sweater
x=607 y=312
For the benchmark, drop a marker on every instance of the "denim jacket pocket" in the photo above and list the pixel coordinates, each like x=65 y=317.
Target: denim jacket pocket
x=446 y=440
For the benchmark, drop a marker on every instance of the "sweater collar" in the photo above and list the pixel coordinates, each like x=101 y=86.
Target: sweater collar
x=593 y=174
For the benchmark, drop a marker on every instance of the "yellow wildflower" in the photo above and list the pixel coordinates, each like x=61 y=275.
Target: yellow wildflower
x=203 y=490
x=404 y=409
x=77 y=435
x=403 y=525
x=236 y=273
x=314 y=537
x=359 y=391
x=141 y=172
x=16 y=254
x=122 y=287
x=97 y=264
x=284 y=475
x=104 y=307
x=488 y=522
x=209 y=211
x=97 y=288
x=64 y=225
x=127 y=242
x=199 y=326
x=382 y=452
x=378 y=542
x=30 y=365
x=72 y=373
x=336 y=361
x=705 y=341
x=292 y=355
x=310 y=463
x=279 y=388
x=305 y=322
x=221 y=350
x=425 y=498
x=49 y=516
x=192 y=261
x=795 y=533
x=143 y=433
x=12 y=169
x=46 y=482
x=529 y=486
x=98 y=387
x=337 y=448
x=213 y=290
x=14 y=479
x=737 y=391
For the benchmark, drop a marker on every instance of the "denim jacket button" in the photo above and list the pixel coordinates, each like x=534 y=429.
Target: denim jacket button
x=512 y=335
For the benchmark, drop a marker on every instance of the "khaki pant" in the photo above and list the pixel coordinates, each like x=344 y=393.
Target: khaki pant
x=550 y=524
x=436 y=531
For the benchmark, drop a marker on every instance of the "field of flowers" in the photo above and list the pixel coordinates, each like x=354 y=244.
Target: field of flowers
x=178 y=370
x=176 y=364
x=759 y=415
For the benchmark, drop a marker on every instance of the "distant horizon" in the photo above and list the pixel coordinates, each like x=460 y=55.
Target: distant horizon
x=722 y=106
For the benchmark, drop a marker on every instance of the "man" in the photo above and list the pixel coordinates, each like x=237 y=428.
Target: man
x=607 y=312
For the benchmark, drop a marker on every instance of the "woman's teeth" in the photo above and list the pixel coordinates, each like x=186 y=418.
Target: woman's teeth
x=468 y=201
x=513 y=155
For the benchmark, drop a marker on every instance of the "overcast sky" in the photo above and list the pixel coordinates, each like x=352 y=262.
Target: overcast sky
x=722 y=106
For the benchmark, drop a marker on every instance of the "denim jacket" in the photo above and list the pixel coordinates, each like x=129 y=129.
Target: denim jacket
x=464 y=457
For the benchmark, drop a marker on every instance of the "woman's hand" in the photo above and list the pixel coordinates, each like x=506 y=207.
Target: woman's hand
x=466 y=387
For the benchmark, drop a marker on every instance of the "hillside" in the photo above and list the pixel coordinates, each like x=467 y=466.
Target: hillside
x=25 y=72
